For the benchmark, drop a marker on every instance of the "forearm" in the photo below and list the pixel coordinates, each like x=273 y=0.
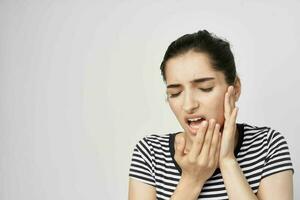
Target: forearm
x=235 y=182
x=187 y=189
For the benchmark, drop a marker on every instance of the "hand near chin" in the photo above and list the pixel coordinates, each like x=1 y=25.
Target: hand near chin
x=229 y=130
x=202 y=160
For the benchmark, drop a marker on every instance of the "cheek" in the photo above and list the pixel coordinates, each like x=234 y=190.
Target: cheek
x=175 y=108
x=217 y=106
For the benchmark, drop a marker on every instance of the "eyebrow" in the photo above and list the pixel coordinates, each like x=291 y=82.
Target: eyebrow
x=199 y=80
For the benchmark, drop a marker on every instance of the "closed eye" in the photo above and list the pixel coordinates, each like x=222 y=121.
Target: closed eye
x=206 y=89
x=202 y=89
x=174 y=95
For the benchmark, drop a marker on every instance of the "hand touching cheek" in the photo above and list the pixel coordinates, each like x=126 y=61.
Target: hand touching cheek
x=229 y=129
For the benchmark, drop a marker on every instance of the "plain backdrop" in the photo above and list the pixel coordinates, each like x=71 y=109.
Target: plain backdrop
x=80 y=85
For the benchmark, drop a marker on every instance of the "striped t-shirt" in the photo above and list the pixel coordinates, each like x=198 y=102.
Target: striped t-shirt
x=260 y=152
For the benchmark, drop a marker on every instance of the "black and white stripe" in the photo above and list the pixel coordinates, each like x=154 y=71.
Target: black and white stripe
x=261 y=151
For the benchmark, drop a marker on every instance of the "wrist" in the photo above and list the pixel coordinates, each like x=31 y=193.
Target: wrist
x=188 y=188
x=192 y=181
x=227 y=163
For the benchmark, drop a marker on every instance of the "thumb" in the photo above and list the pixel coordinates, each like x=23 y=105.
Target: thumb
x=180 y=145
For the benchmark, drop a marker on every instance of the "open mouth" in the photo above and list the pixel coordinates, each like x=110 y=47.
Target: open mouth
x=194 y=124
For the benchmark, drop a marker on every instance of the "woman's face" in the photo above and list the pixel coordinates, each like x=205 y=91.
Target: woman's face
x=195 y=90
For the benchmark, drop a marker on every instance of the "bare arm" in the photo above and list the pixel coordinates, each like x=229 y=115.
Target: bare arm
x=139 y=190
x=278 y=186
x=187 y=189
x=234 y=178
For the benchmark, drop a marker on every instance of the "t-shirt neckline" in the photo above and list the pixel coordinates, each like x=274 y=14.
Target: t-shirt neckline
x=240 y=127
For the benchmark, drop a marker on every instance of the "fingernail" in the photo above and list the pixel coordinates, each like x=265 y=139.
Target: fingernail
x=204 y=123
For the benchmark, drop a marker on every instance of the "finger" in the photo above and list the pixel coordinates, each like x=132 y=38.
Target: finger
x=231 y=125
x=198 y=142
x=215 y=141
x=217 y=153
x=208 y=137
x=227 y=109
x=180 y=145
x=232 y=98
x=233 y=116
x=229 y=104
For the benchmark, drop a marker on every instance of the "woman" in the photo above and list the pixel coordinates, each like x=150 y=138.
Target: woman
x=214 y=157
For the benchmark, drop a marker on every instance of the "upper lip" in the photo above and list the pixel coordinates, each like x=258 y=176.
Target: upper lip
x=192 y=117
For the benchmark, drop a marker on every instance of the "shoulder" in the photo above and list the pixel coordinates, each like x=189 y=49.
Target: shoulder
x=251 y=129
x=274 y=145
x=154 y=142
x=264 y=138
x=143 y=162
x=253 y=132
x=155 y=138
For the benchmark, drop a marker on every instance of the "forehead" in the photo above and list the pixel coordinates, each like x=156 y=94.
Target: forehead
x=189 y=66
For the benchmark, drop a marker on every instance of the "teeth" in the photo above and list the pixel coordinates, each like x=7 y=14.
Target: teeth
x=194 y=119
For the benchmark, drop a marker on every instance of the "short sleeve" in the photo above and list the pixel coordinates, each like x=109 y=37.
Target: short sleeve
x=142 y=163
x=278 y=157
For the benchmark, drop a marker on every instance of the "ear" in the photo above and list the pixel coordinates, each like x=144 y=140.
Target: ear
x=237 y=88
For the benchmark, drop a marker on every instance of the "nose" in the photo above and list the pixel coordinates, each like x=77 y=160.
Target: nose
x=190 y=103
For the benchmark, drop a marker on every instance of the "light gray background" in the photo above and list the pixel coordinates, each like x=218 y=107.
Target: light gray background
x=80 y=85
